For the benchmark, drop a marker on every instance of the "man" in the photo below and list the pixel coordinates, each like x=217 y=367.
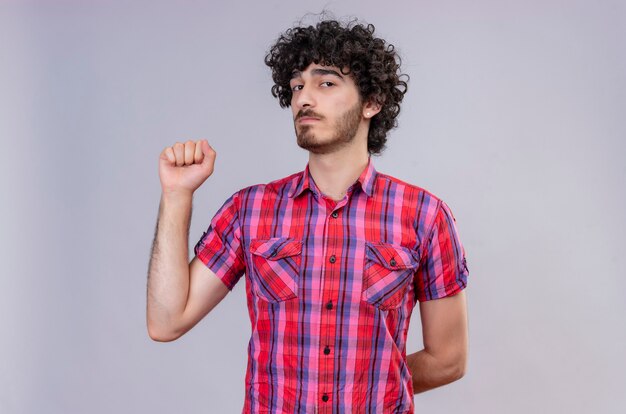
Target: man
x=335 y=257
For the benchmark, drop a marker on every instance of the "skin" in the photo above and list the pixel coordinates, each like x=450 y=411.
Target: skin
x=180 y=294
x=445 y=335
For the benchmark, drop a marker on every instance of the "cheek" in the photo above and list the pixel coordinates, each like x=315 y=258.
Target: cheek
x=347 y=102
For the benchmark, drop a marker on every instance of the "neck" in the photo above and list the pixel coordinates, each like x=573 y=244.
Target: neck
x=334 y=173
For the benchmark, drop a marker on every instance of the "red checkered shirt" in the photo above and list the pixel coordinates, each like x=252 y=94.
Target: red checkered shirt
x=331 y=287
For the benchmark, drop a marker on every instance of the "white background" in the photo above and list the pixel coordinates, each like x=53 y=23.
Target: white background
x=514 y=117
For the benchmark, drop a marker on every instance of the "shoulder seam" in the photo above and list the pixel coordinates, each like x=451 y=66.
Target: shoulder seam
x=405 y=183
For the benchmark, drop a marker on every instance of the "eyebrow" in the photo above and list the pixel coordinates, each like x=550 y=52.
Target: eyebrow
x=317 y=71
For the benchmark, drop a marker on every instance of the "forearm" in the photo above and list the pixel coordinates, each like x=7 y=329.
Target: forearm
x=168 y=271
x=429 y=372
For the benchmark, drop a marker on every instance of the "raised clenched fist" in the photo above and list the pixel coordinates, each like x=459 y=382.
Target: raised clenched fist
x=184 y=167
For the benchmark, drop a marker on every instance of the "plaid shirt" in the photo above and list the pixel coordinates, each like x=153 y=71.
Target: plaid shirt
x=331 y=287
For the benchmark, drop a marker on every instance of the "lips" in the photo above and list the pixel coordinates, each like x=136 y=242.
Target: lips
x=307 y=119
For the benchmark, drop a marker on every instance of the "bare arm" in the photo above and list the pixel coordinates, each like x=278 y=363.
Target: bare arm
x=444 y=357
x=179 y=294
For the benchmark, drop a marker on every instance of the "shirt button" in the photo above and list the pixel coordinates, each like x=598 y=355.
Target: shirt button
x=332 y=259
x=393 y=262
x=273 y=254
x=335 y=214
x=326 y=350
x=329 y=305
x=324 y=397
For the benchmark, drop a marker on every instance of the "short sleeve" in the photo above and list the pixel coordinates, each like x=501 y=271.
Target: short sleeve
x=443 y=270
x=219 y=248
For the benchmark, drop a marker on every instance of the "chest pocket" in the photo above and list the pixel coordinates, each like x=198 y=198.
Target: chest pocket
x=387 y=274
x=276 y=268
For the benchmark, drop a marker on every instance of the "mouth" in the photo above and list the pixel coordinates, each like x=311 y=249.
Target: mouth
x=307 y=119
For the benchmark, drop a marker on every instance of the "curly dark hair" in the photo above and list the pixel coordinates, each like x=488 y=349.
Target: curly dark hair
x=373 y=65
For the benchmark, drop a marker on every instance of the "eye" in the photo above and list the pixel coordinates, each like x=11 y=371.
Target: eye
x=328 y=82
x=295 y=87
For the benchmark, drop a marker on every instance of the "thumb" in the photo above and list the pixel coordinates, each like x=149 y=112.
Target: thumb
x=208 y=151
x=167 y=156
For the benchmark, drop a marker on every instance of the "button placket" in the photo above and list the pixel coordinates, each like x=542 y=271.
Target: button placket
x=334 y=254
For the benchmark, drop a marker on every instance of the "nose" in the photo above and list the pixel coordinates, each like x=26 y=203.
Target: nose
x=304 y=98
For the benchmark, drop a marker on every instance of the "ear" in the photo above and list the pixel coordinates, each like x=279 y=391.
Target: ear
x=371 y=108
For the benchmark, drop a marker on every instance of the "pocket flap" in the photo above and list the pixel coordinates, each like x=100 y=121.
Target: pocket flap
x=393 y=256
x=275 y=248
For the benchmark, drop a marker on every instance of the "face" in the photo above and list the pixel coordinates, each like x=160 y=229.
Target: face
x=327 y=108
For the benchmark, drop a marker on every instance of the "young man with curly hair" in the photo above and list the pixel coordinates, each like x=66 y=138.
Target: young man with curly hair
x=336 y=256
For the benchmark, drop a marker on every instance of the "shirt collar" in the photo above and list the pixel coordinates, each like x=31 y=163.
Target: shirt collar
x=304 y=181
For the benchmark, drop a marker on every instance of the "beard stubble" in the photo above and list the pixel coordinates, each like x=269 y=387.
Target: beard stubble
x=345 y=130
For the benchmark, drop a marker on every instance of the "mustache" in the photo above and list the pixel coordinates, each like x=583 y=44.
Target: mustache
x=309 y=113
